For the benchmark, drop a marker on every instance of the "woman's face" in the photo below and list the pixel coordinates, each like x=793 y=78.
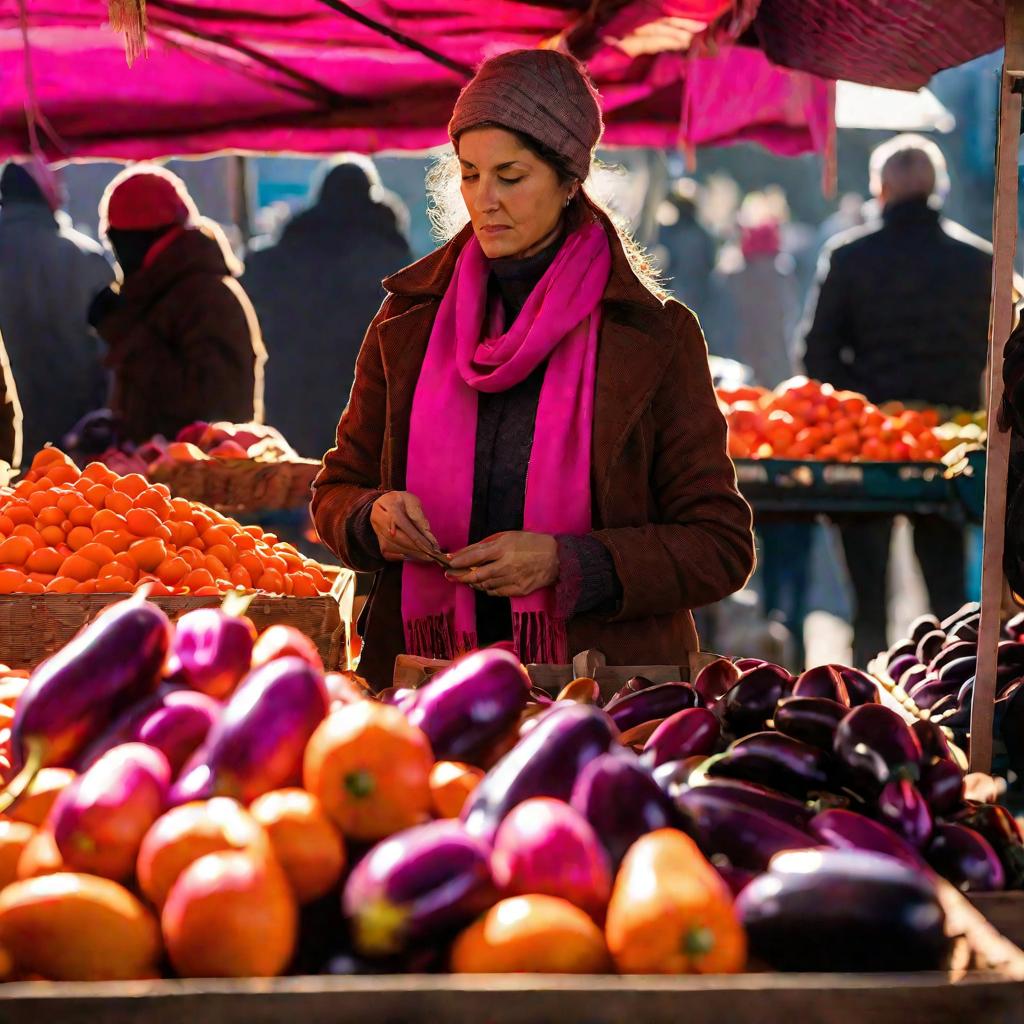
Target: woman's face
x=514 y=198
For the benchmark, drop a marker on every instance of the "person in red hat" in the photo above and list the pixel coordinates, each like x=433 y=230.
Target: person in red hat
x=184 y=342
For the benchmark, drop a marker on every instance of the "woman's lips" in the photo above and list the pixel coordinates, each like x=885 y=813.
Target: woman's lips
x=494 y=229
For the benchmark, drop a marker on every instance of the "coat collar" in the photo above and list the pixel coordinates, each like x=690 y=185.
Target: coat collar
x=429 y=277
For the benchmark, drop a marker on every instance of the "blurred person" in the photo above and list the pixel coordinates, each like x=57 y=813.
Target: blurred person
x=332 y=255
x=184 y=343
x=689 y=247
x=49 y=274
x=900 y=313
x=851 y=212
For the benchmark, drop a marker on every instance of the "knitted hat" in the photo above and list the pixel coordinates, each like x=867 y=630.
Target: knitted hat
x=544 y=94
x=146 y=197
x=31 y=181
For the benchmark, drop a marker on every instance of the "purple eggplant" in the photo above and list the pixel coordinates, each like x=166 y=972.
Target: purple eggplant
x=922 y=626
x=111 y=664
x=212 y=650
x=914 y=676
x=622 y=802
x=932 y=739
x=874 y=745
x=822 y=681
x=942 y=786
x=774 y=760
x=786 y=809
x=847 y=830
x=746 y=838
x=902 y=807
x=898 y=649
x=546 y=762
x=929 y=645
x=898 y=667
x=746 y=664
x=859 y=685
x=998 y=826
x=259 y=740
x=651 y=704
x=929 y=694
x=1014 y=629
x=958 y=671
x=737 y=879
x=688 y=733
x=750 y=704
x=1011 y=655
x=964 y=632
x=967 y=611
x=179 y=726
x=954 y=652
x=812 y=720
x=417 y=887
x=715 y=680
x=966 y=859
x=631 y=686
x=830 y=910
x=467 y=710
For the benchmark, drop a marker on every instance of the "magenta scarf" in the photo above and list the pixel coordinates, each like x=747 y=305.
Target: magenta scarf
x=466 y=354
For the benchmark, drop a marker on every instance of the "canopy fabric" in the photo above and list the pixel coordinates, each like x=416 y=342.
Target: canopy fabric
x=318 y=76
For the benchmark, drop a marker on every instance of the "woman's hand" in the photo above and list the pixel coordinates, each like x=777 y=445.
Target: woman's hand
x=508 y=564
x=402 y=529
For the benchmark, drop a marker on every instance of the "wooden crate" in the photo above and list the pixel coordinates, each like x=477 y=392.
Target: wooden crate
x=984 y=985
x=1004 y=911
x=32 y=627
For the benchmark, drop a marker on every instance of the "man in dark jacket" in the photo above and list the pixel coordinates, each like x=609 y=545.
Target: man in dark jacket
x=49 y=274
x=184 y=341
x=901 y=313
x=315 y=290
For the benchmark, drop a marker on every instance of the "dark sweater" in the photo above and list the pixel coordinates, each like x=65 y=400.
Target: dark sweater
x=504 y=440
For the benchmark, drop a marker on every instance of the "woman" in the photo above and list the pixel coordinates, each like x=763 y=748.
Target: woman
x=562 y=485
x=184 y=344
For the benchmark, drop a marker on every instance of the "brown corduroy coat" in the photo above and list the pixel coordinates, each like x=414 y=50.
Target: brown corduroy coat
x=663 y=488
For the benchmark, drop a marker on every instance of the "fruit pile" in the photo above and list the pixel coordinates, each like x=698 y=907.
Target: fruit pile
x=197 y=797
x=803 y=419
x=68 y=531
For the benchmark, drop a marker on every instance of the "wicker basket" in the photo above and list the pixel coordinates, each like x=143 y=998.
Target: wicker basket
x=239 y=485
x=32 y=627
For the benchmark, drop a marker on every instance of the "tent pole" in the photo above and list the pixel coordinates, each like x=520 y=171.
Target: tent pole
x=1000 y=324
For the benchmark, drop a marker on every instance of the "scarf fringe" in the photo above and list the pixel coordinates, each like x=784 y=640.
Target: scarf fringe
x=436 y=637
x=539 y=638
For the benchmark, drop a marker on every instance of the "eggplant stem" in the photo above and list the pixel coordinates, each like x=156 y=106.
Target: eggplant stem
x=19 y=785
x=699 y=941
x=360 y=784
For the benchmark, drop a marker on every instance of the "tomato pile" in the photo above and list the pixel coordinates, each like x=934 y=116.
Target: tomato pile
x=93 y=531
x=804 y=419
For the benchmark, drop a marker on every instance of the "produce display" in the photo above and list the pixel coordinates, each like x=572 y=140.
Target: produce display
x=65 y=531
x=195 y=799
x=805 y=419
x=934 y=670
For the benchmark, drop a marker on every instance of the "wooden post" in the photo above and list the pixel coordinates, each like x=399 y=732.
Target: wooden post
x=1000 y=324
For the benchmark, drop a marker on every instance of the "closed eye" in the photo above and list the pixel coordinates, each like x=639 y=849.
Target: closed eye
x=510 y=181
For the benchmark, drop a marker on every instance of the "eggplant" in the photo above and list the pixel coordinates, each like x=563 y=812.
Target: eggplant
x=859 y=685
x=905 y=810
x=943 y=706
x=111 y=664
x=830 y=910
x=813 y=720
x=674 y=776
x=1014 y=629
x=546 y=762
x=633 y=685
x=929 y=694
x=581 y=691
x=544 y=846
x=687 y=733
x=653 y=703
x=746 y=664
x=929 y=645
x=875 y=745
x=622 y=803
x=914 y=676
x=934 y=745
x=898 y=649
x=179 y=726
x=750 y=704
x=774 y=760
x=737 y=879
x=847 y=830
x=942 y=786
x=417 y=887
x=823 y=681
x=746 y=838
x=966 y=631
x=967 y=611
x=467 y=710
x=958 y=671
x=758 y=798
x=1011 y=655
x=898 y=667
x=922 y=626
x=212 y=650
x=954 y=652
x=258 y=743
x=715 y=680
x=997 y=825
x=966 y=859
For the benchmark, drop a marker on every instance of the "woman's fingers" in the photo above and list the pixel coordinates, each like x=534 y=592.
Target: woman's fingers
x=413 y=534
x=418 y=517
x=476 y=554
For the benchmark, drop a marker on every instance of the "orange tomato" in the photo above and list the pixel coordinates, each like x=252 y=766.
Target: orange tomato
x=155 y=502
x=172 y=570
x=96 y=552
x=97 y=495
x=198 y=578
x=117 y=540
x=12 y=581
x=52 y=535
x=148 y=553
x=118 y=501
x=44 y=560
x=78 y=568
x=133 y=484
x=142 y=522
x=15 y=550
x=106 y=520
x=24 y=530
x=14 y=837
x=451 y=783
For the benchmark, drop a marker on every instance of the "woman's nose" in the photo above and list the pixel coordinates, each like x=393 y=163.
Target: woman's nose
x=486 y=197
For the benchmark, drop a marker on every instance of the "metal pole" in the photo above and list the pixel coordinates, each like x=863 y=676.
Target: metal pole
x=1000 y=324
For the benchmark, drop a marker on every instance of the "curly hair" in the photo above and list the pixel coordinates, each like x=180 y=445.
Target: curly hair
x=448 y=214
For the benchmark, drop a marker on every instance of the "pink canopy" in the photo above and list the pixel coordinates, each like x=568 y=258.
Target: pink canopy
x=317 y=76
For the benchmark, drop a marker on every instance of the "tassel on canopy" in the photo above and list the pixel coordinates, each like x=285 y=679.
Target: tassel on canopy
x=129 y=17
